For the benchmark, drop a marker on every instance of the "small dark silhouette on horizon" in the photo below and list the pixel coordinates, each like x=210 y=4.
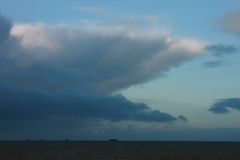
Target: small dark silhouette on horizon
x=113 y=140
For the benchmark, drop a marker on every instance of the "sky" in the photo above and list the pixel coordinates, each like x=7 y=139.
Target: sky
x=131 y=70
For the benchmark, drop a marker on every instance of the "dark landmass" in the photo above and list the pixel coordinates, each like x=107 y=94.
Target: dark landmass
x=118 y=150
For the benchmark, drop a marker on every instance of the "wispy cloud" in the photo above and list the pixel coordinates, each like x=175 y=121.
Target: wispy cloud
x=230 y=22
x=224 y=105
x=221 y=49
x=92 y=9
x=213 y=64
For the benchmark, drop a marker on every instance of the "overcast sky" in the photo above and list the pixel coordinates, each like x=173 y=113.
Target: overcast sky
x=140 y=69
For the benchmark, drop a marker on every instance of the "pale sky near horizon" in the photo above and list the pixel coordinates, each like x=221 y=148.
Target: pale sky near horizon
x=176 y=57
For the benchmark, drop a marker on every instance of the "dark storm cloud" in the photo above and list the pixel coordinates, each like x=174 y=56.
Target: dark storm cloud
x=62 y=75
x=17 y=103
x=221 y=50
x=224 y=105
x=213 y=64
x=5 y=26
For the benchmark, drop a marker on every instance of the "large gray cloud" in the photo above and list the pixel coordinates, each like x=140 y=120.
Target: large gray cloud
x=73 y=71
x=102 y=59
x=224 y=105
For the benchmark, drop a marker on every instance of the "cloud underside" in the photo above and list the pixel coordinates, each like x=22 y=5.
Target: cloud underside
x=225 y=105
x=30 y=104
x=74 y=71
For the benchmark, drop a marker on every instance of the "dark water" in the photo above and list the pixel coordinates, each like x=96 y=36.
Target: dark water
x=119 y=150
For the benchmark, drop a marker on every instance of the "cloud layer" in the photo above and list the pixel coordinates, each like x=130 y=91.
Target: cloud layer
x=102 y=59
x=224 y=105
x=221 y=50
x=74 y=71
x=32 y=104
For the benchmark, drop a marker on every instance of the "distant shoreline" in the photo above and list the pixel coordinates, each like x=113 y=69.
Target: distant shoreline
x=117 y=140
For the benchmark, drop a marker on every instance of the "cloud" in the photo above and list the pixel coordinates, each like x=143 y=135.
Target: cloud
x=213 y=64
x=230 y=22
x=5 y=26
x=92 y=9
x=221 y=49
x=224 y=105
x=101 y=59
x=52 y=72
x=18 y=103
x=182 y=118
